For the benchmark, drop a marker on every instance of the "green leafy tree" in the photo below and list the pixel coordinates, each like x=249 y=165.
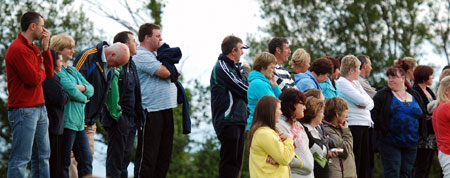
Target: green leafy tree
x=60 y=17
x=383 y=30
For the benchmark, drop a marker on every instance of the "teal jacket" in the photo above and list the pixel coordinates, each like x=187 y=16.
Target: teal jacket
x=259 y=87
x=328 y=90
x=74 y=110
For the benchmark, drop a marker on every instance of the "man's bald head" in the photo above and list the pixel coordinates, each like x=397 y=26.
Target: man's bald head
x=117 y=54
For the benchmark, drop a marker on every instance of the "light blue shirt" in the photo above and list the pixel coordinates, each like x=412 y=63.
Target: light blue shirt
x=305 y=81
x=157 y=93
x=105 y=64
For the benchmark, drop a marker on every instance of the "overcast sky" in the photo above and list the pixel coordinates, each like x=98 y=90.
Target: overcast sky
x=198 y=28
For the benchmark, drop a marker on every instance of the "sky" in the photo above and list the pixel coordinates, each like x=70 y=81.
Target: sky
x=197 y=27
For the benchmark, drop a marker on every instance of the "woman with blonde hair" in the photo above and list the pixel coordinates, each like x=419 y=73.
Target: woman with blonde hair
x=80 y=90
x=270 y=150
x=441 y=124
x=359 y=106
x=300 y=61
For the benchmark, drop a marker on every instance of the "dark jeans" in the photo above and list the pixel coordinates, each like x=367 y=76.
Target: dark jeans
x=231 y=151
x=77 y=142
x=424 y=161
x=397 y=161
x=120 y=149
x=155 y=145
x=55 y=162
x=361 y=149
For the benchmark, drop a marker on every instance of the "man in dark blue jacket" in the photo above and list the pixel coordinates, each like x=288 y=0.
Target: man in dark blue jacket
x=229 y=105
x=121 y=126
x=97 y=65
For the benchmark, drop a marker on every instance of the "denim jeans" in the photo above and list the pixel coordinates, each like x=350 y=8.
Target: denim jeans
x=397 y=161
x=30 y=141
x=77 y=142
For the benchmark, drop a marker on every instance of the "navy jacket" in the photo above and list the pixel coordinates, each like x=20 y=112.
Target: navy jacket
x=131 y=107
x=228 y=95
x=89 y=63
x=55 y=99
x=169 y=57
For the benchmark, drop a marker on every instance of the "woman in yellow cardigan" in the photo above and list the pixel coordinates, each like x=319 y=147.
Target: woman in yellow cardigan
x=270 y=151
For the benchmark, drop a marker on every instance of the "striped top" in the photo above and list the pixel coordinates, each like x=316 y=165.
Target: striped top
x=283 y=78
x=157 y=93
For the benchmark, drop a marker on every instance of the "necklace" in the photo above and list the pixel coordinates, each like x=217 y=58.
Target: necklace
x=404 y=98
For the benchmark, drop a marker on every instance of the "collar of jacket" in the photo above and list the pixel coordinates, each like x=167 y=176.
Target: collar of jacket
x=100 y=50
x=227 y=60
x=330 y=124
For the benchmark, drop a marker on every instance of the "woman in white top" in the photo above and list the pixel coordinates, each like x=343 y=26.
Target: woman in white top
x=359 y=119
x=293 y=106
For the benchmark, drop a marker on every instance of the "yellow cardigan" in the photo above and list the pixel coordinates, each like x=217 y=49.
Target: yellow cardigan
x=266 y=142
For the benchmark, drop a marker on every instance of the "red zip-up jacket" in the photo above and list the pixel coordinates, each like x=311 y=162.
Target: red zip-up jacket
x=24 y=73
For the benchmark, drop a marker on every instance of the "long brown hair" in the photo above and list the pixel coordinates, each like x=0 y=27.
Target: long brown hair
x=264 y=115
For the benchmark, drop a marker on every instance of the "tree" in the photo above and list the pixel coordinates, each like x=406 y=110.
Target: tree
x=138 y=12
x=60 y=17
x=439 y=12
x=383 y=30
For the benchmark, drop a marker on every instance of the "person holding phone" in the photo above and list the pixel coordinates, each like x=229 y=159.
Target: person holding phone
x=335 y=124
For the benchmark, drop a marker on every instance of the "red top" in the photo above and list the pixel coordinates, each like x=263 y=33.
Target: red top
x=441 y=127
x=24 y=73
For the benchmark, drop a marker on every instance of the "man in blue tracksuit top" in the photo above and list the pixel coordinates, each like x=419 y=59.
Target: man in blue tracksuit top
x=229 y=105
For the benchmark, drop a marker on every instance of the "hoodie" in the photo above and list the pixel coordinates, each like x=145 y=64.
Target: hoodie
x=305 y=81
x=259 y=87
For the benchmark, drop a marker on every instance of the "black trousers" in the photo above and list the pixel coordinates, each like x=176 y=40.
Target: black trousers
x=362 y=150
x=424 y=161
x=155 y=142
x=120 y=149
x=231 y=150
x=55 y=161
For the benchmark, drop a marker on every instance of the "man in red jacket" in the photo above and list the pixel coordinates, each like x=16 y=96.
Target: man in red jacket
x=26 y=69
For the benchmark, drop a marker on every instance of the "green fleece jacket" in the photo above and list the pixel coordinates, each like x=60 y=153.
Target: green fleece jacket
x=74 y=109
x=112 y=100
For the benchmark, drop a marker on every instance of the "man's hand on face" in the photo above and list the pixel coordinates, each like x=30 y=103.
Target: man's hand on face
x=45 y=39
